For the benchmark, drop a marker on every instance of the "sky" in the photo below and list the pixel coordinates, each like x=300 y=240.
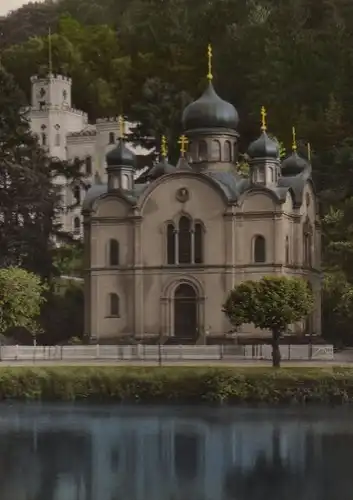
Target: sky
x=7 y=5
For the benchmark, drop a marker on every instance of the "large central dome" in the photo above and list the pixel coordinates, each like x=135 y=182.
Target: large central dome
x=210 y=111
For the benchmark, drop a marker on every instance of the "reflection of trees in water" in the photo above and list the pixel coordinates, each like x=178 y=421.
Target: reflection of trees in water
x=186 y=455
x=271 y=477
x=43 y=460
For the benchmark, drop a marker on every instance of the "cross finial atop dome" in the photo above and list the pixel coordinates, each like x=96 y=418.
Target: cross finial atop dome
x=294 y=140
x=209 y=58
x=164 y=147
x=263 y=119
x=183 y=143
x=121 y=126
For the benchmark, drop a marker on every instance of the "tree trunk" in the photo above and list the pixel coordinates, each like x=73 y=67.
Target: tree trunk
x=276 y=353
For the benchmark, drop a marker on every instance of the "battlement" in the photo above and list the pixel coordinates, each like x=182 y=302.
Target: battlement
x=44 y=109
x=111 y=119
x=51 y=76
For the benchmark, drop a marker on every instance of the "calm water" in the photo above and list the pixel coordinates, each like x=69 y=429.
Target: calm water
x=78 y=453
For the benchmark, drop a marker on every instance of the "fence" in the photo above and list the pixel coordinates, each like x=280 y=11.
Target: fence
x=162 y=353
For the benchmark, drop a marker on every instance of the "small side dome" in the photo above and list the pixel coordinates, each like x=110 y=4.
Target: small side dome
x=294 y=165
x=264 y=147
x=121 y=156
x=161 y=168
x=210 y=111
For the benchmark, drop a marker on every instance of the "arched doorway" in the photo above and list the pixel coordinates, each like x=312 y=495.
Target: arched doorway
x=185 y=312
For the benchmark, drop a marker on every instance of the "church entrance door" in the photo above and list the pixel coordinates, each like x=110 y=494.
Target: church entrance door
x=185 y=312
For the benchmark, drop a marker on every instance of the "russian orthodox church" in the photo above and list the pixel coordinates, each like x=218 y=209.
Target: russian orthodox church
x=162 y=256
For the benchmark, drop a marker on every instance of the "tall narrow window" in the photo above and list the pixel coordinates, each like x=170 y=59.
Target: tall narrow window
x=88 y=163
x=287 y=251
x=77 y=225
x=202 y=151
x=184 y=235
x=111 y=138
x=307 y=244
x=259 y=249
x=198 y=242
x=77 y=194
x=170 y=244
x=113 y=252
x=57 y=139
x=44 y=139
x=227 y=151
x=114 y=305
x=215 y=150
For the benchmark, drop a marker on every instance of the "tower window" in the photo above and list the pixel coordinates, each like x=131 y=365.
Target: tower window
x=77 y=194
x=88 y=164
x=202 y=156
x=227 y=151
x=77 y=225
x=111 y=138
x=113 y=252
x=114 y=305
x=215 y=150
x=259 y=249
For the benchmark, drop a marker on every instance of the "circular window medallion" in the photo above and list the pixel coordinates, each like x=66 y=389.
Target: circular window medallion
x=182 y=195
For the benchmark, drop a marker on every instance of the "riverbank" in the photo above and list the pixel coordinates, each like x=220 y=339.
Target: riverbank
x=332 y=385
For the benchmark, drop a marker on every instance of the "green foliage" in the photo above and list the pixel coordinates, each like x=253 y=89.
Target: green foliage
x=273 y=303
x=21 y=297
x=177 y=385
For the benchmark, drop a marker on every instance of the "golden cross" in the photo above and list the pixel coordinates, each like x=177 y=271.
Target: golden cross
x=309 y=151
x=209 y=57
x=183 y=142
x=164 y=147
x=121 y=126
x=294 y=141
x=263 y=119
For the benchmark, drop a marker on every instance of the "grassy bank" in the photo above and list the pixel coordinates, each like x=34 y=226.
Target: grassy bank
x=178 y=385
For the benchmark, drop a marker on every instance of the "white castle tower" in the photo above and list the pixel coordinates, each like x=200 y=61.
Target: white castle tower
x=66 y=134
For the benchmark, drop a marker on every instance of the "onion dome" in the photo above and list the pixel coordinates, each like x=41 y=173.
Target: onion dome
x=121 y=156
x=294 y=165
x=161 y=168
x=210 y=111
x=264 y=147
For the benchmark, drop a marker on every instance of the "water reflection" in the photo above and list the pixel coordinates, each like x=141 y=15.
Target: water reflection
x=63 y=453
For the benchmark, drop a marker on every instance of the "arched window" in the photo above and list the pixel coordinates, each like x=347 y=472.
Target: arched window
x=125 y=181
x=113 y=252
x=44 y=139
x=77 y=225
x=88 y=164
x=184 y=235
x=114 y=305
x=287 y=251
x=259 y=249
x=202 y=156
x=215 y=150
x=57 y=139
x=198 y=242
x=170 y=244
x=111 y=138
x=227 y=151
x=77 y=194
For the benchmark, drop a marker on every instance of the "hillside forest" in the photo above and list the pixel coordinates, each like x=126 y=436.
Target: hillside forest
x=147 y=60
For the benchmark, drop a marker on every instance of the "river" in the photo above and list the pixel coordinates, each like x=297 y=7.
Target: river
x=75 y=452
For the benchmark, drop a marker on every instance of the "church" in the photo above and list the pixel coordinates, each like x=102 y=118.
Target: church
x=161 y=256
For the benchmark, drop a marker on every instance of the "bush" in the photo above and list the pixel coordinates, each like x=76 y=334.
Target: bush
x=177 y=385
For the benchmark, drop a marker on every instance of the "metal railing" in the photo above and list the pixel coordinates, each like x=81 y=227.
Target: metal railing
x=162 y=353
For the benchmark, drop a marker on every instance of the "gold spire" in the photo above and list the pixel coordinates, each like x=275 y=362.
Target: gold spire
x=263 y=119
x=164 y=147
x=183 y=142
x=121 y=127
x=50 y=55
x=209 y=58
x=294 y=140
x=309 y=151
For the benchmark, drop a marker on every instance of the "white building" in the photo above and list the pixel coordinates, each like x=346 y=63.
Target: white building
x=67 y=134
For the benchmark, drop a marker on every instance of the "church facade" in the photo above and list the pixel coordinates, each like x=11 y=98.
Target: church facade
x=162 y=256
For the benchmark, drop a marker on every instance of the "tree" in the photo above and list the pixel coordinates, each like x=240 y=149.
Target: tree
x=21 y=298
x=273 y=303
x=29 y=202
